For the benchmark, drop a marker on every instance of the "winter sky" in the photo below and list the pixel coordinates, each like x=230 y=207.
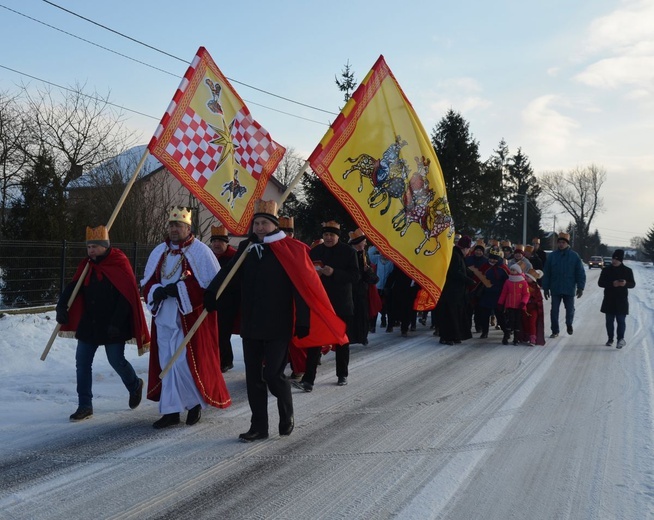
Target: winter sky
x=571 y=83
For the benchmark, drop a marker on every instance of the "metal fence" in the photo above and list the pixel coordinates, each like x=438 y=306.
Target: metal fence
x=33 y=273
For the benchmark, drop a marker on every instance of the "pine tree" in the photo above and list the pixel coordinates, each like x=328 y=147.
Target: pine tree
x=472 y=187
x=648 y=244
x=347 y=84
x=41 y=212
x=519 y=181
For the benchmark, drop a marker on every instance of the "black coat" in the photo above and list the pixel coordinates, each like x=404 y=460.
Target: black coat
x=267 y=296
x=343 y=259
x=616 y=298
x=104 y=307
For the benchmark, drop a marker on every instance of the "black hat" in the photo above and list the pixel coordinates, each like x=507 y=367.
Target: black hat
x=618 y=254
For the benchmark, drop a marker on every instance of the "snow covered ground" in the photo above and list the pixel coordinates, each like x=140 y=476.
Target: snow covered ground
x=423 y=430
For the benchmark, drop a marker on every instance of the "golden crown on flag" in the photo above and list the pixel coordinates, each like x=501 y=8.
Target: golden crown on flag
x=180 y=214
x=100 y=233
x=268 y=207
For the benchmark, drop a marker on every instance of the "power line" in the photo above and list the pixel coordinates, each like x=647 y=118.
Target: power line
x=81 y=93
x=184 y=61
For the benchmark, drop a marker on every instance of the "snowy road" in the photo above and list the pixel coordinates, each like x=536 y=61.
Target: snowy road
x=478 y=430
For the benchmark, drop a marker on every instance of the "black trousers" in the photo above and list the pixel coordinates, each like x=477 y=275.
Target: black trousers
x=265 y=361
x=313 y=357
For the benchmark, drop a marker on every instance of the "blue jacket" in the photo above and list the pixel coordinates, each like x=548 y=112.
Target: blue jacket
x=564 y=272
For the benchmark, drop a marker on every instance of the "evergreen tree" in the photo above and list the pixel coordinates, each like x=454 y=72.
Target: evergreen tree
x=648 y=244
x=519 y=181
x=320 y=206
x=347 y=84
x=472 y=187
x=41 y=212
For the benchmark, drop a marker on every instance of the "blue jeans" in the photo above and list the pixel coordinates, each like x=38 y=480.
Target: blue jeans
x=84 y=361
x=569 y=303
x=621 y=319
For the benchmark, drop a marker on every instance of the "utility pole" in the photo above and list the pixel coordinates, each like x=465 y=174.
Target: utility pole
x=524 y=221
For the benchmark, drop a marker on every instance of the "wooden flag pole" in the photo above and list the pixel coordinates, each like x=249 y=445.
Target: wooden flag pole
x=227 y=279
x=110 y=223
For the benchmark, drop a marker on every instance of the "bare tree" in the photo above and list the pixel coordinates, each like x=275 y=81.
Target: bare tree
x=81 y=131
x=577 y=192
x=286 y=172
x=13 y=159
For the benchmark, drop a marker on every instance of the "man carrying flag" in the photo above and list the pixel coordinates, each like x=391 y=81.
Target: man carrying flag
x=282 y=302
x=380 y=164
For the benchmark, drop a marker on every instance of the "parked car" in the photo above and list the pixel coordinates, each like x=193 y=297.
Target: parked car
x=595 y=261
x=607 y=261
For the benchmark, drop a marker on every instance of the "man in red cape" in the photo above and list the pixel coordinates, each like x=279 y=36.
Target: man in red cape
x=282 y=302
x=176 y=275
x=106 y=311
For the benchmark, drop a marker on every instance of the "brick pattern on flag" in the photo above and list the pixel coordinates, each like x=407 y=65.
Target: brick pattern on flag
x=252 y=143
x=190 y=146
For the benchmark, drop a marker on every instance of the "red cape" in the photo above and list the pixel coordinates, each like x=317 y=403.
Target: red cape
x=202 y=352
x=114 y=267
x=325 y=327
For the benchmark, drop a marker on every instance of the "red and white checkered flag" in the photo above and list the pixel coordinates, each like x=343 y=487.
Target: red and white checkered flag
x=208 y=140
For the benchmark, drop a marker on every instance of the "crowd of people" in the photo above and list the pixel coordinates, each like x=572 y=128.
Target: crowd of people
x=292 y=303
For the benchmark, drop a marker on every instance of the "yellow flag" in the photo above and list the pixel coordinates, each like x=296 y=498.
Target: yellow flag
x=210 y=142
x=378 y=161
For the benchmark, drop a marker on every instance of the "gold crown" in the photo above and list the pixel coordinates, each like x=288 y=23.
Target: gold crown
x=286 y=223
x=535 y=240
x=218 y=231
x=496 y=252
x=265 y=206
x=518 y=247
x=180 y=214
x=494 y=242
x=357 y=233
x=480 y=242
x=331 y=224
x=535 y=273
x=506 y=243
x=97 y=233
x=529 y=249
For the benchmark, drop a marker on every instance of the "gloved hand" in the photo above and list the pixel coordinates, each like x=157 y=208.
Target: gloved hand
x=113 y=332
x=209 y=301
x=171 y=290
x=546 y=294
x=62 y=314
x=579 y=293
x=159 y=295
x=301 y=331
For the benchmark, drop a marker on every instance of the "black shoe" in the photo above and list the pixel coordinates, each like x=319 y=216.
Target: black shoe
x=404 y=334
x=389 y=328
x=570 y=330
x=422 y=321
x=225 y=368
x=554 y=335
x=515 y=341
x=505 y=340
x=193 y=415
x=81 y=414
x=302 y=385
x=342 y=381
x=413 y=328
x=252 y=435
x=446 y=342
x=285 y=428
x=136 y=396
x=169 y=419
x=372 y=330
x=484 y=335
